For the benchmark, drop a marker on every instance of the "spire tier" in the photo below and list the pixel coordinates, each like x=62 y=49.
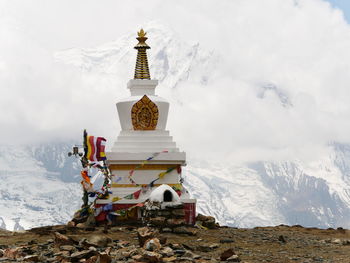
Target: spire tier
x=141 y=68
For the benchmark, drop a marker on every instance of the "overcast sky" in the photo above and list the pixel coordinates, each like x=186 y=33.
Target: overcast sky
x=300 y=46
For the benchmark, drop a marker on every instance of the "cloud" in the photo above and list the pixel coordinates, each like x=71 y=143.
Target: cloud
x=300 y=48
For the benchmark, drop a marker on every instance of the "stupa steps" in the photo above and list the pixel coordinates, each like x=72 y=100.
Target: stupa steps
x=143 y=150
x=132 y=133
x=145 y=139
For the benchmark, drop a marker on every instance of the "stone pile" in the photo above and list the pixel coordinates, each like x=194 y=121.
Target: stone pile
x=172 y=218
x=153 y=210
x=99 y=248
x=166 y=218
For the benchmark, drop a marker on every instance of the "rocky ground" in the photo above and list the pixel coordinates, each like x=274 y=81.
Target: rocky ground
x=135 y=244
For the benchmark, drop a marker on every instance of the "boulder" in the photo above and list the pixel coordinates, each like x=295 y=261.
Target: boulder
x=336 y=241
x=202 y=218
x=61 y=240
x=71 y=224
x=81 y=225
x=145 y=233
x=227 y=254
x=210 y=223
x=152 y=244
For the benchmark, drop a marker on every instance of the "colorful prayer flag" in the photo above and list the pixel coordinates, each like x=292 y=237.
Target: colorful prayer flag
x=96 y=148
x=137 y=194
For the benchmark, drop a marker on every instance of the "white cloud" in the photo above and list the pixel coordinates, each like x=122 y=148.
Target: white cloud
x=299 y=47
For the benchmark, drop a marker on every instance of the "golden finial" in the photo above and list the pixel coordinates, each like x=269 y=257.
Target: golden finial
x=141 y=33
x=141 y=69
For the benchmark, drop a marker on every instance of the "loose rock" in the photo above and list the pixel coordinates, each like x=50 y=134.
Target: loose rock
x=169 y=259
x=207 y=247
x=82 y=254
x=61 y=240
x=104 y=258
x=174 y=222
x=233 y=258
x=99 y=240
x=227 y=254
x=145 y=233
x=67 y=248
x=185 y=230
x=152 y=257
x=282 y=239
x=152 y=244
x=167 y=251
x=13 y=253
x=31 y=258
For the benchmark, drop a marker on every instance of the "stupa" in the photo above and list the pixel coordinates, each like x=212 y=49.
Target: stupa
x=144 y=161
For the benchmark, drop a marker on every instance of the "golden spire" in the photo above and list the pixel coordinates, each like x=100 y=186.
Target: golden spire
x=141 y=69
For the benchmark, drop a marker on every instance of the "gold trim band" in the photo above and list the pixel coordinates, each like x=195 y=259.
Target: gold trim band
x=144 y=167
x=131 y=185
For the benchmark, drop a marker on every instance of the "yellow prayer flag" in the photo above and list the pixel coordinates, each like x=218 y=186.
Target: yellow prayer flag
x=115 y=199
x=161 y=175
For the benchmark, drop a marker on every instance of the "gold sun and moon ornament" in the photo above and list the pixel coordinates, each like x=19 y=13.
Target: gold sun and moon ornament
x=144 y=113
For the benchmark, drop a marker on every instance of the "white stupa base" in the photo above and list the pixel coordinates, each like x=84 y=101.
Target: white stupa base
x=144 y=141
x=137 y=158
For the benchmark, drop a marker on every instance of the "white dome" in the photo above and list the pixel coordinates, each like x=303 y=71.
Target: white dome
x=157 y=194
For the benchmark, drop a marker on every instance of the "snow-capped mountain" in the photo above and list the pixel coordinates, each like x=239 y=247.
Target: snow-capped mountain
x=171 y=60
x=40 y=184
x=267 y=193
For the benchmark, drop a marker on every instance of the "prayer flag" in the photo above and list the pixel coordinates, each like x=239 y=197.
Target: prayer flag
x=137 y=194
x=96 y=148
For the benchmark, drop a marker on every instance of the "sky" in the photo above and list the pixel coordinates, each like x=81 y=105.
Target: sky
x=279 y=89
x=343 y=5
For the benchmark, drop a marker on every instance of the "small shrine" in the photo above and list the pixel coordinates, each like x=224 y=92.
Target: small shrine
x=144 y=162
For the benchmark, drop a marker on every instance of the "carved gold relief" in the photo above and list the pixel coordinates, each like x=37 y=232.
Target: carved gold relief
x=144 y=114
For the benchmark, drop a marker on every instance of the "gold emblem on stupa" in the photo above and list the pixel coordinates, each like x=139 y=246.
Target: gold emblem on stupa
x=144 y=114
